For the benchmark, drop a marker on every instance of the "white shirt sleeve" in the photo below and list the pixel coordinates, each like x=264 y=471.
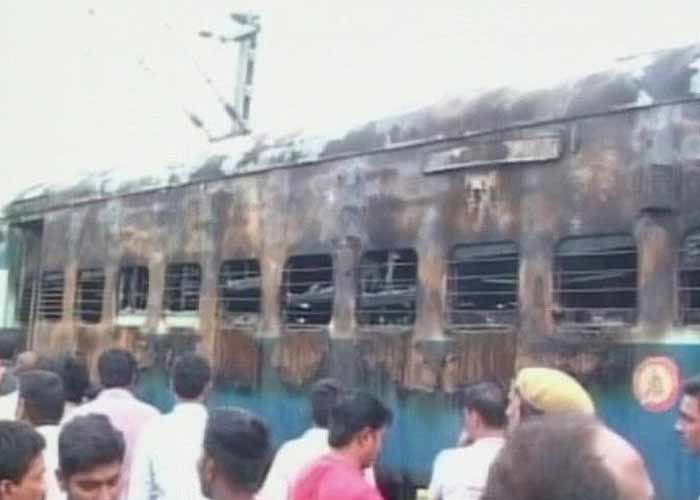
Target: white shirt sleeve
x=436 y=480
x=276 y=485
x=141 y=484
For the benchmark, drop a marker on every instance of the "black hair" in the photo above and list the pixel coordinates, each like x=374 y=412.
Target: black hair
x=88 y=441
x=552 y=457
x=191 y=375
x=691 y=387
x=239 y=444
x=324 y=394
x=20 y=444
x=117 y=368
x=43 y=395
x=489 y=400
x=354 y=411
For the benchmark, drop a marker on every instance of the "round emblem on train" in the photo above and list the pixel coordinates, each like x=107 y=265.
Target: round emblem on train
x=656 y=383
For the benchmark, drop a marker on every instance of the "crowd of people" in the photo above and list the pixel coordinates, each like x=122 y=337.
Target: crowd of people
x=64 y=440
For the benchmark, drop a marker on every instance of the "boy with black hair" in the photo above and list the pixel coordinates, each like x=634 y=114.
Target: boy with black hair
x=355 y=433
x=236 y=453
x=117 y=371
x=90 y=456
x=41 y=401
x=164 y=467
x=21 y=462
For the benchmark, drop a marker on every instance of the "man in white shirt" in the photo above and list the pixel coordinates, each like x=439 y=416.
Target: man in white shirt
x=461 y=473
x=296 y=454
x=41 y=403
x=165 y=461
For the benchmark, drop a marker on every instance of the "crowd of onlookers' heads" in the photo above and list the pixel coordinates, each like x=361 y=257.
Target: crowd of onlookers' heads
x=62 y=439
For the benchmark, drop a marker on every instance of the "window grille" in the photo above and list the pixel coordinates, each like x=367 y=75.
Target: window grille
x=182 y=287
x=596 y=281
x=89 y=294
x=690 y=280
x=133 y=289
x=307 y=290
x=24 y=306
x=240 y=290
x=51 y=295
x=388 y=287
x=482 y=287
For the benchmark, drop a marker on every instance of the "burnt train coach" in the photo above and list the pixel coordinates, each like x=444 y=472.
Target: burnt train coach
x=408 y=256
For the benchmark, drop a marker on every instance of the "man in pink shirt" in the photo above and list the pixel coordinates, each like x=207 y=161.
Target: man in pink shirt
x=117 y=371
x=355 y=433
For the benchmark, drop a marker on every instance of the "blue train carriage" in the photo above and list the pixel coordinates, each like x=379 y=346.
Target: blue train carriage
x=408 y=256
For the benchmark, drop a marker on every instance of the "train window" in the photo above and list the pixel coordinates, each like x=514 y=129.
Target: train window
x=24 y=305
x=596 y=281
x=89 y=294
x=690 y=280
x=51 y=295
x=307 y=290
x=133 y=289
x=482 y=287
x=182 y=287
x=387 y=287
x=240 y=290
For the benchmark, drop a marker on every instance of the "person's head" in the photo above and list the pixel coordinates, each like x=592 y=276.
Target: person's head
x=539 y=390
x=90 y=456
x=357 y=423
x=235 y=455
x=116 y=368
x=688 y=424
x=484 y=409
x=21 y=462
x=567 y=457
x=191 y=376
x=41 y=397
x=74 y=373
x=324 y=394
x=26 y=360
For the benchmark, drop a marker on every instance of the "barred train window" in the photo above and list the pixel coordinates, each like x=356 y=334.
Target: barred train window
x=307 y=290
x=596 y=280
x=51 y=295
x=182 y=287
x=690 y=280
x=133 y=289
x=89 y=293
x=24 y=306
x=240 y=290
x=482 y=287
x=387 y=287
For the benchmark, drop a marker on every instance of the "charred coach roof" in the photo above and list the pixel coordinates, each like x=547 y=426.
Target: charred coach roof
x=659 y=78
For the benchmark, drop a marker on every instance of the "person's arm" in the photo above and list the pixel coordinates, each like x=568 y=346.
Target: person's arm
x=435 y=487
x=276 y=485
x=141 y=484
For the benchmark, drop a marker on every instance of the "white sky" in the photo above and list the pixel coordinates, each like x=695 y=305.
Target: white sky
x=89 y=85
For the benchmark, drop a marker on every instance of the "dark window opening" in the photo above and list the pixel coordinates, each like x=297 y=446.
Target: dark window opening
x=51 y=295
x=388 y=287
x=690 y=280
x=182 y=287
x=482 y=287
x=240 y=290
x=307 y=290
x=89 y=294
x=596 y=281
x=24 y=306
x=133 y=289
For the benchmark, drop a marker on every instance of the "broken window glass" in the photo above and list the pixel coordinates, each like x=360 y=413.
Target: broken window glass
x=51 y=295
x=482 y=287
x=596 y=281
x=182 y=287
x=307 y=290
x=89 y=294
x=240 y=290
x=388 y=287
x=133 y=289
x=690 y=280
